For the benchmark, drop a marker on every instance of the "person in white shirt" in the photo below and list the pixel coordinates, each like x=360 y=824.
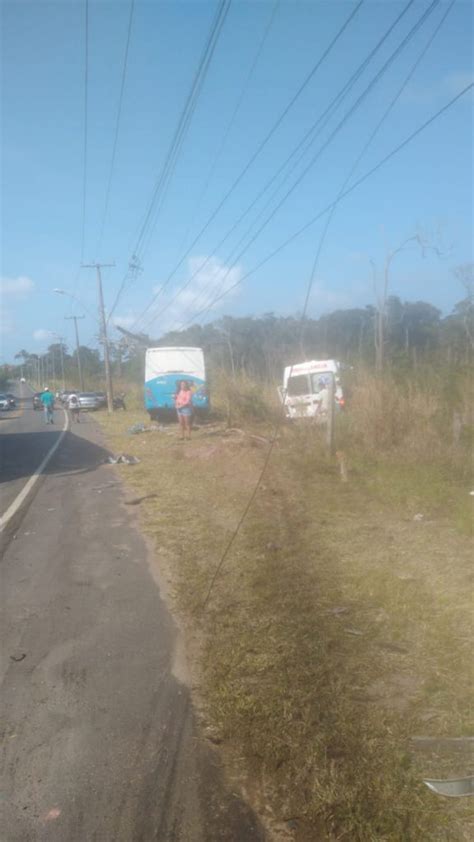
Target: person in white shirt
x=74 y=406
x=323 y=401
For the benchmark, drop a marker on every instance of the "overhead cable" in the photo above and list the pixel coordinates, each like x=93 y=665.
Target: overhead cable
x=259 y=149
x=354 y=107
x=184 y=120
x=86 y=86
x=320 y=123
x=117 y=127
x=329 y=207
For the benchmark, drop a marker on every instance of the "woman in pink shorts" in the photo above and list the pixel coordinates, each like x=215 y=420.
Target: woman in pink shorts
x=183 y=401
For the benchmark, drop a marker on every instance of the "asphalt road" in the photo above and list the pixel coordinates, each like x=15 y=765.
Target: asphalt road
x=100 y=742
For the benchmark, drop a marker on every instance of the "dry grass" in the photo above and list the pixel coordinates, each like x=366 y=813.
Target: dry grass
x=339 y=627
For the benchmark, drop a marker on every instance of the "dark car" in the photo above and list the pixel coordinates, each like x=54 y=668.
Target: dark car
x=37 y=403
x=11 y=400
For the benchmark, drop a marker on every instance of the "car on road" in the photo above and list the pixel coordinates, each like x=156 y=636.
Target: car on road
x=12 y=400
x=89 y=401
x=4 y=402
x=37 y=403
x=22 y=380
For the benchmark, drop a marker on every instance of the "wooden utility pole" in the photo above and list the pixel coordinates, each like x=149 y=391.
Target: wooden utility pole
x=78 y=353
x=103 y=322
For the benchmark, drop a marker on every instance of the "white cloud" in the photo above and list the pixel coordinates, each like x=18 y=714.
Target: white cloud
x=210 y=285
x=41 y=334
x=16 y=287
x=444 y=88
x=123 y=321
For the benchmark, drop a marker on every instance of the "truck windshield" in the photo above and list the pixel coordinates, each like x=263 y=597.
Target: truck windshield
x=298 y=385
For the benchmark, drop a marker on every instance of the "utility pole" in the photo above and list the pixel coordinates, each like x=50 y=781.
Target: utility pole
x=61 y=354
x=103 y=322
x=78 y=353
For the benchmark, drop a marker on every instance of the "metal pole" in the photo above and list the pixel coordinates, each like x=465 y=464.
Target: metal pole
x=78 y=353
x=62 y=362
x=103 y=321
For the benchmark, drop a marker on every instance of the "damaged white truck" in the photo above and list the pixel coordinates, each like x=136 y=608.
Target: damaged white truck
x=307 y=386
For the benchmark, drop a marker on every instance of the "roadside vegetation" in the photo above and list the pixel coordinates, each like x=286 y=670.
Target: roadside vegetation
x=339 y=629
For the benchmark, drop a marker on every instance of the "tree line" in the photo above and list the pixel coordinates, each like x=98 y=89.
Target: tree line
x=415 y=332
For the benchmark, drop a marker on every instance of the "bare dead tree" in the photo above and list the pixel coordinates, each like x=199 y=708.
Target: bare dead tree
x=418 y=241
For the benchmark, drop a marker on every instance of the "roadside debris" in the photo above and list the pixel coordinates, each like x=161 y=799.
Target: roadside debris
x=136 y=429
x=122 y=459
x=451 y=787
x=418 y=517
x=138 y=500
x=18 y=658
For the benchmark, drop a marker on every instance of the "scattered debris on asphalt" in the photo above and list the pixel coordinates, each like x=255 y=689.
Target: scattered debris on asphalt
x=18 y=658
x=418 y=517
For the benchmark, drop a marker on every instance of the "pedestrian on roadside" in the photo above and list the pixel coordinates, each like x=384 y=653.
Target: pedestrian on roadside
x=47 y=399
x=74 y=406
x=183 y=401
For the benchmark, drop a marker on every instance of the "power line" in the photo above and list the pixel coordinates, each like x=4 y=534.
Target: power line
x=319 y=124
x=336 y=130
x=364 y=149
x=328 y=208
x=176 y=144
x=236 y=110
x=259 y=149
x=117 y=126
x=86 y=85
x=185 y=119
x=303 y=316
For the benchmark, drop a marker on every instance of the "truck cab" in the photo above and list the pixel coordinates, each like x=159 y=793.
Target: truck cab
x=304 y=389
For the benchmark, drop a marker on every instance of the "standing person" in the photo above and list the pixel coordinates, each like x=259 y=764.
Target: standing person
x=323 y=401
x=74 y=406
x=47 y=399
x=183 y=401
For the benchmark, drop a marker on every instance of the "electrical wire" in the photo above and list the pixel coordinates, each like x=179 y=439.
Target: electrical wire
x=235 y=112
x=259 y=149
x=311 y=135
x=328 y=207
x=117 y=127
x=308 y=295
x=175 y=146
x=86 y=87
x=354 y=107
x=184 y=121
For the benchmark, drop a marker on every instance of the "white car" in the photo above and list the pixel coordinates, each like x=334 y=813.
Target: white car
x=4 y=402
x=22 y=379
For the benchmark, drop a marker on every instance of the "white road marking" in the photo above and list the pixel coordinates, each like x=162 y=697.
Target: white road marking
x=21 y=497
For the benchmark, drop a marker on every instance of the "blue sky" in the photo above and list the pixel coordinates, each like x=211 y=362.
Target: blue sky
x=428 y=186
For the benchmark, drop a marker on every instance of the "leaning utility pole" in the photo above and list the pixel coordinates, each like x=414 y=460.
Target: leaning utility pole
x=103 y=321
x=78 y=353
